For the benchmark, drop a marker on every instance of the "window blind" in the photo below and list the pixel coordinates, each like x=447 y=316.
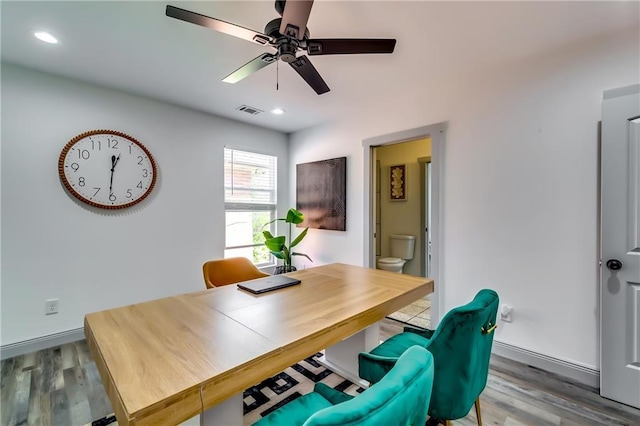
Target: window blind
x=250 y=178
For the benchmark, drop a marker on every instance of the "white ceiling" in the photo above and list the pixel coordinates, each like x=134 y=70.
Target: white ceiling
x=134 y=47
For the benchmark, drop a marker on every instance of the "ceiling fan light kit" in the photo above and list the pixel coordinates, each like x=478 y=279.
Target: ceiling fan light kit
x=286 y=36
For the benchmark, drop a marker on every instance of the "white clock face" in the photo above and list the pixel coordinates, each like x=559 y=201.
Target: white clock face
x=107 y=169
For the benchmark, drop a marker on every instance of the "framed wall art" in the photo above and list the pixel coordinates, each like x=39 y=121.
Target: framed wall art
x=398 y=182
x=321 y=193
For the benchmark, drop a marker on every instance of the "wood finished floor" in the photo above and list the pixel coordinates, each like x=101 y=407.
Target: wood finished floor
x=61 y=386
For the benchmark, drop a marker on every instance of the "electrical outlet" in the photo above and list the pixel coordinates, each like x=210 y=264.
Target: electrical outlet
x=506 y=313
x=51 y=306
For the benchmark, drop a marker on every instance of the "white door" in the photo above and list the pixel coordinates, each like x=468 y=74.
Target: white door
x=620 y=251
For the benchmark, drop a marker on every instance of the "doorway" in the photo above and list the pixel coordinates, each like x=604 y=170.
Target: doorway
x=400 y=201
x=436 y=133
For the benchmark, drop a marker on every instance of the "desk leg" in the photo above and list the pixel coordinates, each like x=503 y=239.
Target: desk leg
x=342 y=357
x=227 y=413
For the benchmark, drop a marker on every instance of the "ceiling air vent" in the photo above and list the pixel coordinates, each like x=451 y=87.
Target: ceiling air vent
x=249 y=110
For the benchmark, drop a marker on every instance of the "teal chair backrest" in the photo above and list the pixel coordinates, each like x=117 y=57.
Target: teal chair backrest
x=400 y=398
x=461 y=348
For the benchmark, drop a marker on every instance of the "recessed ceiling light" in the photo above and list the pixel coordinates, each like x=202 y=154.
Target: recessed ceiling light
x=277 y=111
x=46 y=37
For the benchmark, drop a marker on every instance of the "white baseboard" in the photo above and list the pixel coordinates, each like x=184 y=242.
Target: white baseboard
x=39 y=343
x=576 y=372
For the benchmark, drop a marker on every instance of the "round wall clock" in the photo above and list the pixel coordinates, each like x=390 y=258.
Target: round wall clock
x=107 y=169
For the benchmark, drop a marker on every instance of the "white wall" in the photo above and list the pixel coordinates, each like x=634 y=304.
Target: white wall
x=520 y=186
x=52 y=247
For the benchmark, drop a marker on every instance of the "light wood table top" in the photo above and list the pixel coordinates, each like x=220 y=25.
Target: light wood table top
x=158 y=359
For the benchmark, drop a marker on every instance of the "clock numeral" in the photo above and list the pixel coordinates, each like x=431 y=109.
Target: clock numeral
x=129 y=194
x=139 y=185
x=129 y=149
x=113 y=143
x=140 y=159
x=83 y=154
x=112 y=197
x=93 y=145
x=97 y=190
x=81 y=182
x=145 y=173
x=75 y=166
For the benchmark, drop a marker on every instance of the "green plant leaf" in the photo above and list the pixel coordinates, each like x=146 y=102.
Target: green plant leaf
x=299 y=238
x=277 y=254
x=301 y=254
x=294 y=216
x=276 y=243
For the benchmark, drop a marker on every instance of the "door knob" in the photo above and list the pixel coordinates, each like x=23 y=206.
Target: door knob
x=614 y=264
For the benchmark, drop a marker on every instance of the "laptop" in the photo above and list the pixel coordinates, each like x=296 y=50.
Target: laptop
x=272 y=282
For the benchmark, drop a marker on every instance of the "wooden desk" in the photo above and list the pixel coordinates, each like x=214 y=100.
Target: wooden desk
x=158 y=359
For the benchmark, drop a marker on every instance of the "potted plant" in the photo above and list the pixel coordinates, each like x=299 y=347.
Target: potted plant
x=278 y=245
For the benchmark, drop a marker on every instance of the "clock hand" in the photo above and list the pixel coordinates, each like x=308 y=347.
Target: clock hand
x=116 y=160
x=113 y=165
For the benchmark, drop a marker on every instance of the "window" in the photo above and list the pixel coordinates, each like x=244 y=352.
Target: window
x=250 y=202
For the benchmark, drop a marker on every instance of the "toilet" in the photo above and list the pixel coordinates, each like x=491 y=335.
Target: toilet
x=402 y=247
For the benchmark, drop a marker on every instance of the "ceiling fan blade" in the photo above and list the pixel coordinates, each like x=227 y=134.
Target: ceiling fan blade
x=345 y=46
x=218 y=25
x=250 y=67
x=295 y=18
x=308 y=72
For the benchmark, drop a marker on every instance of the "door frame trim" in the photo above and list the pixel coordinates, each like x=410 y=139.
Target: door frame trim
x=437 y=134
x=423 y=163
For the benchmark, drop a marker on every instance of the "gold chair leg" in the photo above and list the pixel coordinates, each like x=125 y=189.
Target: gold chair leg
x=447 y=423
x=478 y=415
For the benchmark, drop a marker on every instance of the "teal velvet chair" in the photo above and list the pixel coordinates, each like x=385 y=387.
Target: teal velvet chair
x=461 y=348
x=401 y=398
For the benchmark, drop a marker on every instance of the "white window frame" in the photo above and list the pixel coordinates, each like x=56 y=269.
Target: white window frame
x=254 y=207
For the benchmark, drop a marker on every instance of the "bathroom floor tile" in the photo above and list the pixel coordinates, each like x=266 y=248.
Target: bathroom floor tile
x=420 y=322
x=423 y=303
x=426 y=314
x=412 y=310
x=414 y=314
x=400 y=316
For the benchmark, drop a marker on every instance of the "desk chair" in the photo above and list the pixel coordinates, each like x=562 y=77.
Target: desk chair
x=401 y=398
x=229 y=271
x=461 y=348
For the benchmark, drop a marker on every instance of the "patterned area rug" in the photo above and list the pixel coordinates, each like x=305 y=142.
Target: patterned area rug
x=292 y=383
x=272 y=393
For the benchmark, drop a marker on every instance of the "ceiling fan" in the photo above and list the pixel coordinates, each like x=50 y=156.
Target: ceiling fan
x=287 y=35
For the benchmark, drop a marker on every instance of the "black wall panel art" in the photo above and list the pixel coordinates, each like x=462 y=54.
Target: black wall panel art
x=321 y=193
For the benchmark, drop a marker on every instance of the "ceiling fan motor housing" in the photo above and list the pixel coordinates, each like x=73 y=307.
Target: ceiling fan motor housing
x=287 y=46
x=287 y=52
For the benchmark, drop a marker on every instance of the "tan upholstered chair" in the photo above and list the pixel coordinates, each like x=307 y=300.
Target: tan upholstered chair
x=229 y=271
